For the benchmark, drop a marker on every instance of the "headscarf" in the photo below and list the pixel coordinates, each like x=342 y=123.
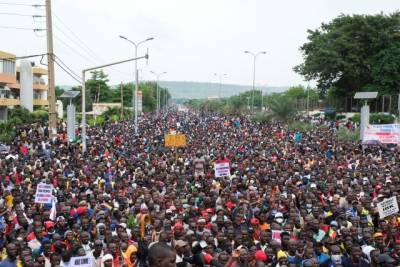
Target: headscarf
x=106 y=258
x=127 y=255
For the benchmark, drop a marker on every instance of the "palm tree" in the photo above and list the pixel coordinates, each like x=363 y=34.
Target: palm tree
x=114 y=113
x=282 y=108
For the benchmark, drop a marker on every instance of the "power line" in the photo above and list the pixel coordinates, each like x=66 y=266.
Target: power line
x=67 y=72
x=75 y=35
x=21 y=28
x=74 y=41
x=23 y=57
x=66 y=66
x=73 y=49
x=83 y=44
x=19 y=15
x=19 y=4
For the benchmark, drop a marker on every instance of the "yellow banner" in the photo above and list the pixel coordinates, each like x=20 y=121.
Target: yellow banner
x=175 y=140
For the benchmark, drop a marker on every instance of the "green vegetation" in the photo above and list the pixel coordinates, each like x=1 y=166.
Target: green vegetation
x=376 y=118
x=17 y=117
x=282 y=108
x=300 y=126
x=354 y=53
x=111 y=114
x=345 y=134
x=98 y=90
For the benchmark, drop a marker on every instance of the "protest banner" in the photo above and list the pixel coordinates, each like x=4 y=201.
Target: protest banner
x=85 y=261
x=44 y=193
x=382 y=133
x=222 y=168
x=388 y=207
x=175 y=140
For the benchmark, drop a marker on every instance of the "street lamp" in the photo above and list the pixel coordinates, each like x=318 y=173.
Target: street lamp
x=220 y=76
x=83 y=133
x=134 y=95
x=255 y=55
x=158 y=89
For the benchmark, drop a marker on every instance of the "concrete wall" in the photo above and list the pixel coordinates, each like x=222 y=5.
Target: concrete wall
x=3 y=113
x=60 y=109
x=26 y=81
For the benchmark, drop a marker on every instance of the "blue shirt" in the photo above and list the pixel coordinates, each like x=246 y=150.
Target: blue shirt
x=8 y=263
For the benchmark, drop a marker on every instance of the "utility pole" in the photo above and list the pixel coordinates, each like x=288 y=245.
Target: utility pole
x=98 y=94
x=83 y=133
x=308 y=100
x=122 y=101
x=50 y=58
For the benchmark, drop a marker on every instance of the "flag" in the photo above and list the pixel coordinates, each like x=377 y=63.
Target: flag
x=53 y=212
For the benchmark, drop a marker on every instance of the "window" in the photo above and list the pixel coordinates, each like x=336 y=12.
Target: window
x=7 y=67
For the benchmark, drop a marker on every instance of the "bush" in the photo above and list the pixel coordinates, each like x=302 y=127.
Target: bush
x=300 y=126
x=345 y=134
x=22 y=113
x=316 y=115
x=340 y=117
x=330 y=116
x=380 y=118
x=261 y=117
x=99 y=120
x=7 y=131
x=356 y=118
x=375 y=118
x=40 y=115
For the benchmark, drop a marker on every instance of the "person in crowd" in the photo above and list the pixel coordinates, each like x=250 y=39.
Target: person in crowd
x=288 y=197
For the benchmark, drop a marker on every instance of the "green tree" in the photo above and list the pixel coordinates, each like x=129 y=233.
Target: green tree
x=354 y=53
x=97 y=87
x=282 y=108
x=59 y=91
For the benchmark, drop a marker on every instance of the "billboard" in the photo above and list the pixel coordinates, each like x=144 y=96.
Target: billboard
x=382 y=133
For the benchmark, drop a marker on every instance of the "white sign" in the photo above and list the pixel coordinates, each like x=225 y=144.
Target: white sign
x=388 y=207
x=222 y=169
x=85 y=261
x=44 y=193
x=382 y=133
x=140 y=102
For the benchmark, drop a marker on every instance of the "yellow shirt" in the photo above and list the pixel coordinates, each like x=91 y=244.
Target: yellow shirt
x=9 y=201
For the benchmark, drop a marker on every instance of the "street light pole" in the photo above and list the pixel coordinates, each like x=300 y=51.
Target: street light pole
x=83 y=136
x=220 y=76
x=255 y=55
x=135 y=93
x=158 y=90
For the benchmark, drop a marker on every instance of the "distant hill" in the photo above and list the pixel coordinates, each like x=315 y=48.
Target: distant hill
x=201 y=90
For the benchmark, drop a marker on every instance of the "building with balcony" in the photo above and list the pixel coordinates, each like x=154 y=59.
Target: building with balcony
x=24 y=85
x=8 y=82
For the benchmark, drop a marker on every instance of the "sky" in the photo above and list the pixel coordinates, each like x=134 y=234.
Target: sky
x=194 y=39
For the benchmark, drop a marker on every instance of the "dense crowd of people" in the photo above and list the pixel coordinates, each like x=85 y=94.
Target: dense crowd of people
x=291 y=199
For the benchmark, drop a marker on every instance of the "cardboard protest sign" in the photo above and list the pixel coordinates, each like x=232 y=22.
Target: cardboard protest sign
x=175 y=140
x=222 y=168
x=388 y=207
x=44 y=193
x=85 y=261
